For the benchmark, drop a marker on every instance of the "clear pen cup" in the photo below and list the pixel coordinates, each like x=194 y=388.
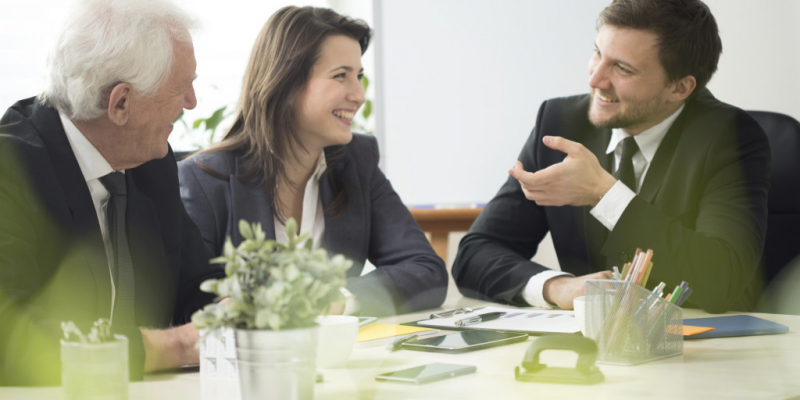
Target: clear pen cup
x=95 y=370
x=630 y=324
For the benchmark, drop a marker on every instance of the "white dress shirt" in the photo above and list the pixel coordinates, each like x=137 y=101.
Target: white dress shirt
x=313 y=223
x=611 y=206
x=93 y=167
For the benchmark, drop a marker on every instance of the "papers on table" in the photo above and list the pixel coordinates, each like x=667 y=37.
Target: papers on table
x=515 y=320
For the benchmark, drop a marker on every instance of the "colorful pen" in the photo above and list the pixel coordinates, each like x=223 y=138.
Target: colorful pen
x=675 y=293
x=479 y=318
x=684 y=296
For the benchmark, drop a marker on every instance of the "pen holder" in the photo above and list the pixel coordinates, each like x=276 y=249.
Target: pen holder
x=630 y=324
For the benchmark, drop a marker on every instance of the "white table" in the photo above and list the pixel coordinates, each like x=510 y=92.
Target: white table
x=754 y=367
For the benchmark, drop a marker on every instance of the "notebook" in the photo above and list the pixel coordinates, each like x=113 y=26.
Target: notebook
x=734 y=325
x=383 y=334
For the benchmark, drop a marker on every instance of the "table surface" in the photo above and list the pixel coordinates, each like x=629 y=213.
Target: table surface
x=753 y=367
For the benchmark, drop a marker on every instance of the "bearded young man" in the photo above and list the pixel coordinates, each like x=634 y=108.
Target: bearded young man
x=649 y=159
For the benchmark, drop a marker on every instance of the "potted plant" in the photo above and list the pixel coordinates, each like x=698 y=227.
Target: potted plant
x=276 y=291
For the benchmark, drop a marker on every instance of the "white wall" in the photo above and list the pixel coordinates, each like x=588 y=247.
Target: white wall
x=462 y=80
x=222 y=47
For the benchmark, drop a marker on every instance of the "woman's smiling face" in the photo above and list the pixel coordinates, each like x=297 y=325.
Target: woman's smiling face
x=332 y=96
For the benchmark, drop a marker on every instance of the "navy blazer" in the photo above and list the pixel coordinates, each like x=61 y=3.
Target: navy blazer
x=53 y=264
x=702 y=208
x=376 y=226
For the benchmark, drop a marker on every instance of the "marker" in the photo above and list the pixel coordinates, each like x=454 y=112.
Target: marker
x=675 y=294
x=479 y=318
x=684 y=296
x=659 y=290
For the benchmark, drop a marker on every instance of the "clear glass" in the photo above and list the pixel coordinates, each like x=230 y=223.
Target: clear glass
x=95 y=371
x=630 y=324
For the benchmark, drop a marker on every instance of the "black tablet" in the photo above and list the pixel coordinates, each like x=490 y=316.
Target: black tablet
x=465 y=341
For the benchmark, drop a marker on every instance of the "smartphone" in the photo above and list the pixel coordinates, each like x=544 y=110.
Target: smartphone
x=426 y=373
x=465 y=341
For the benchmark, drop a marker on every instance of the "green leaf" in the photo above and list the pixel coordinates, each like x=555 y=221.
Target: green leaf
x=244 y=229
x=365 y=82
x=367 y=109
x=213 y=121
x=291 y=229
x=197 y=123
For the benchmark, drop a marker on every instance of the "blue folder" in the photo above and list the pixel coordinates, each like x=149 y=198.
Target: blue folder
x=734 y=325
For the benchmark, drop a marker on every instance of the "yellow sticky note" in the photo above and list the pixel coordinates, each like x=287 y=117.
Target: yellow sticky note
x=379 y=333
x=689 y=330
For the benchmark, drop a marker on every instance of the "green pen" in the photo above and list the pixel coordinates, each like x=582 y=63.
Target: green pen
x=675 y=294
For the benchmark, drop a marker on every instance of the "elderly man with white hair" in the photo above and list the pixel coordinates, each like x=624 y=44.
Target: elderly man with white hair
x=91 y=221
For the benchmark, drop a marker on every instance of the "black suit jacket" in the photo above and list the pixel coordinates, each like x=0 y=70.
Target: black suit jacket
x=53 y=264
x=376 y=226
x=702 y=208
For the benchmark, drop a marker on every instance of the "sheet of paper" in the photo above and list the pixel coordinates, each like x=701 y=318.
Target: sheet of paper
x=518 y=320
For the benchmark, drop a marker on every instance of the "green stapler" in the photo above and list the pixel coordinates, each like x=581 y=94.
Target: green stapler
x=584 y=373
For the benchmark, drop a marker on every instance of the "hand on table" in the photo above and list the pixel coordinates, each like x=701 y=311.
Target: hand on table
x=561 y=290
x=170 y=348
x=579 y=180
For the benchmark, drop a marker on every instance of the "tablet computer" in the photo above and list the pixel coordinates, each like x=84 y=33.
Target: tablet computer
x=465 y=341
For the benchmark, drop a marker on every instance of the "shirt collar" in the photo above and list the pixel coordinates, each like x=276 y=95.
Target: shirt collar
x=649 y=140
x=322 y=165
x=93 y=165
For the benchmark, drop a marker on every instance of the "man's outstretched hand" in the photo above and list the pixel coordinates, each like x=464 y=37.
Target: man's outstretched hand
x=579 y=180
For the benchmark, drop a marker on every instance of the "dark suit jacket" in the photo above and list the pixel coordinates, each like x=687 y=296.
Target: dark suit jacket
x=53 y=264
x=702 y=208
x=376 y=226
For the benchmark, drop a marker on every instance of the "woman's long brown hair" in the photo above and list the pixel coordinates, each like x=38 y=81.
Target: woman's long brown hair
x=264 y=130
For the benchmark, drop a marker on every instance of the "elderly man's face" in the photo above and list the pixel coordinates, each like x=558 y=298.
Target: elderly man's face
x=151 y=117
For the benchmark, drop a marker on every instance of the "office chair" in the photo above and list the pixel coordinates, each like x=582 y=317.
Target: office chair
x=782 y=243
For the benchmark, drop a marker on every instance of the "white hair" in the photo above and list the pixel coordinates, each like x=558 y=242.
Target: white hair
x=106 y=42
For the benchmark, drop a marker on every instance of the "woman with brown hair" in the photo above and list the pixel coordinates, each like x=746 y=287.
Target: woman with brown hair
x=290 y=153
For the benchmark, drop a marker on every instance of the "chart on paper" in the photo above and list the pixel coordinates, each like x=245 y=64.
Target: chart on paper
x=515 y=320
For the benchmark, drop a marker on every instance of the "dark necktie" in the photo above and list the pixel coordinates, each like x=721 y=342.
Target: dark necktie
x=625 y=171
x=123 y=266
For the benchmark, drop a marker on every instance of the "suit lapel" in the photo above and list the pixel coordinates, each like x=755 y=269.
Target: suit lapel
x=596 y=233
x=250 y=202
x=346 y=234
x=81 y=223
x=662 y=160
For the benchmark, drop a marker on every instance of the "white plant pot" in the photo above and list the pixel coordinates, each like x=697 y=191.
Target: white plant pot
x=277 y=364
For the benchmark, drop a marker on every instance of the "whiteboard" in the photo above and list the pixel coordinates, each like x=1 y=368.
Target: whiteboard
x=459 y=82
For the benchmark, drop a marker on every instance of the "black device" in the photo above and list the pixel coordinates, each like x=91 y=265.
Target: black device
x=465 y=341
x=426 y=373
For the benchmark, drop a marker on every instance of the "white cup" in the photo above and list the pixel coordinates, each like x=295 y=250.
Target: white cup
x=579 y=305
x=335 y=340
x=95 y=370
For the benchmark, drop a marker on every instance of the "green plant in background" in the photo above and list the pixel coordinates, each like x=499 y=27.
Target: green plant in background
x=212 y=122
x=366 y=110
x=272 y=285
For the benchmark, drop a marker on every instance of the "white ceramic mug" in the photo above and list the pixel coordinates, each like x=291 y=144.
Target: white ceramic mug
x=335 y=340
x=579 y=305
